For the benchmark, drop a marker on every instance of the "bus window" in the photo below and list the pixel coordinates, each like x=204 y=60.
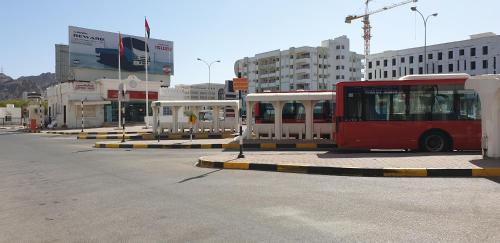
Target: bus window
x=375 y=104
x=469 y=104
x=264 y=113
x=353 y=104
x=322 y=111
x=294 y=112
x=421 y=102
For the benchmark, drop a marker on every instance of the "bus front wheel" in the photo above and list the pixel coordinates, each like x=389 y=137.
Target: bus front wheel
x=435 y=141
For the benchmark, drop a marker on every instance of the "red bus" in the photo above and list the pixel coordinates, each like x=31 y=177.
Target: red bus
x=419 y=112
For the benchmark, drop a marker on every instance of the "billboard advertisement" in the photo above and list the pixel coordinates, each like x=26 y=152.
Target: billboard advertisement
x=97 y=49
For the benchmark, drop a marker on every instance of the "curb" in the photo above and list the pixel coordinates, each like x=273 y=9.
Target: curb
x=262 y=146
x=149 y=136
x=353 y=171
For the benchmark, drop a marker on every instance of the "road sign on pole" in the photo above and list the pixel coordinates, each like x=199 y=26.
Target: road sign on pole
x=240 y=84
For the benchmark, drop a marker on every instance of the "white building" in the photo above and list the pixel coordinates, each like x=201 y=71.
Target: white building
x=100 y=102
x=302 y=68
x=475 y=56
x=10 y=115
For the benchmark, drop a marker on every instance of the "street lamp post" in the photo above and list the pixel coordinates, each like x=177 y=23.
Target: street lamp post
x=209 y=65
x=425 y=34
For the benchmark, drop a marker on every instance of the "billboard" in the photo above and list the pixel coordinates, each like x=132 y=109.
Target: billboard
x=97 y=49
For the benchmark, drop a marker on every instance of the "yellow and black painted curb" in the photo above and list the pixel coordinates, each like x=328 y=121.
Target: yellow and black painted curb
x=235 y=146
x=353 y=171
x=149 y=136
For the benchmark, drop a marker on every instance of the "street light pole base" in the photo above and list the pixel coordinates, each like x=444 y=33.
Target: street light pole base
x=241 y=156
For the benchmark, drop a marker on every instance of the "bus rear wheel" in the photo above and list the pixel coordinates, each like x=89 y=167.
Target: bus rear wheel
x=435 y=142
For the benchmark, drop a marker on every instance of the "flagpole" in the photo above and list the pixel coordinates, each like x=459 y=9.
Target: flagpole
x=119 y=85
x=146 y=67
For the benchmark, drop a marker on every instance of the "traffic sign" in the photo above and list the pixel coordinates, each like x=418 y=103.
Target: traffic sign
x=240 y=84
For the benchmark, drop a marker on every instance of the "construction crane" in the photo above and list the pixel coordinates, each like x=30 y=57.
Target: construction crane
x=366 y=23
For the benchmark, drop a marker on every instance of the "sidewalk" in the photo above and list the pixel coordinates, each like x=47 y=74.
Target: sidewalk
x=456 y=164
x=139 y=129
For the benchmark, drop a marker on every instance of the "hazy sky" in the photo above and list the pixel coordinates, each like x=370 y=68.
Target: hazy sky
x=229 y=29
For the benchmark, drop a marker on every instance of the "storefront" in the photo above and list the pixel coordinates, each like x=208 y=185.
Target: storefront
x=98 y=101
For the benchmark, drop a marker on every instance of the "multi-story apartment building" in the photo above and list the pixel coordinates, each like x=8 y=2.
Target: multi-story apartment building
x=475 y=56
x=302 y=68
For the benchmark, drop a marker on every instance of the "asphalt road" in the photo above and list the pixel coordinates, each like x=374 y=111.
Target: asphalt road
x=59 y=189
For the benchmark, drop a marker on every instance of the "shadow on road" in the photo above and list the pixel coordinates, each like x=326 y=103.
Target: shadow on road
x=382 y=154
x=199 y=176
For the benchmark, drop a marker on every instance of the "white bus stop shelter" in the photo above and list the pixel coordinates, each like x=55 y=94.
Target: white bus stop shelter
x=488 y=88
x=218 y=124
x=283 y=130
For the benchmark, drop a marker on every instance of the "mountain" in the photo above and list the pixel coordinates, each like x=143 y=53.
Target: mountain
x=14 y=88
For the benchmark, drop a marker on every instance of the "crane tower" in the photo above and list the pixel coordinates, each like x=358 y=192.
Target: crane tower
x=366 y=23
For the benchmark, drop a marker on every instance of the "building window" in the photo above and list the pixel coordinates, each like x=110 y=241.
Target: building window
x=385 y=63
x=473 y=52
x=411 y=71
x=402 y=60
x=440 y=56
x=393 y=73
x=291 y=56
x=338 y=47
x=370 y=64
x=450 y=54
x=472 y=65
x=370 y=76
x=420 y=70
x=450 y=67
x=377 y=63
x=461 y=52
x=411 y=59
x=420 y=58
x=394 y=62
x=385 y=74
x=458 y=65
x=440 y=68
x=343 y=47
x=429 y=56
x=485 y=50
x=465 y=65
x=485 y=64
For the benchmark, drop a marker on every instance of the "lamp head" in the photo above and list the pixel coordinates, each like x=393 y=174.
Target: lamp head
x=413 y=8
x=199 y=59
x=434 y=14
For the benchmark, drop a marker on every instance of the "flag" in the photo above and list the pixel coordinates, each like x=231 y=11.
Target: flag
x=120 y=45
x=146 y=25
